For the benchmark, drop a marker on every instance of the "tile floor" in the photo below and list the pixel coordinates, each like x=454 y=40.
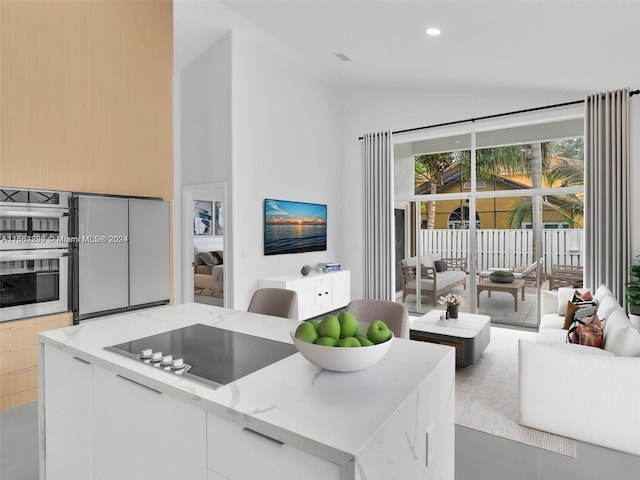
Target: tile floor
x=499 y=307
x=479 y=456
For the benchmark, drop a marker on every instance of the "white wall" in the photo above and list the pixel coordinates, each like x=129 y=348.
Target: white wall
x=203 y=154
x=205 y=115
x=259 y=118
x=287 y=145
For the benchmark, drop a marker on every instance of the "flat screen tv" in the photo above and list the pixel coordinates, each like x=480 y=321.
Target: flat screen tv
x=294 y=227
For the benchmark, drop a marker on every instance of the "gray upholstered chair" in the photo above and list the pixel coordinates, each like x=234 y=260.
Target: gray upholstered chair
x=395 y=315
x=278 y=302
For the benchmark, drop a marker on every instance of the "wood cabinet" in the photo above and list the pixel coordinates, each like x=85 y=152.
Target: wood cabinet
x=86 y=95
x=228 y=443
x=18 y=357
x=68 y=389
x=318 y=293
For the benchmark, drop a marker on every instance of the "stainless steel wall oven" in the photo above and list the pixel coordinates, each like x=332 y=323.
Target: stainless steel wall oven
x=34 y=253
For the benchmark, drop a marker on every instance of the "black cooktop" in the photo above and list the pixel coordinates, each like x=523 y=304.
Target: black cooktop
x=216 y=356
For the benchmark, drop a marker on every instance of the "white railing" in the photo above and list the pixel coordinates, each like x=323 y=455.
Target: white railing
x=508 y=248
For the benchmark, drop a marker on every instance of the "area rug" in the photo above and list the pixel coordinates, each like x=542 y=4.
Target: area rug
x=487 y=395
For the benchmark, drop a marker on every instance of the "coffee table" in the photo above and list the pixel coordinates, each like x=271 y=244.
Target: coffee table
x=469 y=333
x=511 y=288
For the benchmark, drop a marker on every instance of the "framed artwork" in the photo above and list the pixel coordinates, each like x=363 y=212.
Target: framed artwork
x=202 y=217
x=219 y=218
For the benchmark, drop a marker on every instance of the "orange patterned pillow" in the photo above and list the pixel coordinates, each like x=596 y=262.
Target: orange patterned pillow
x=586 y=332
x=582 y=297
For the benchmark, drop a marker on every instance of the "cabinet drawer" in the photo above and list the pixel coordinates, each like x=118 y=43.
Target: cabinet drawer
x=18 y=359
x=237 y=453
x=17 y=399
x=14 y=382
x=22 y=333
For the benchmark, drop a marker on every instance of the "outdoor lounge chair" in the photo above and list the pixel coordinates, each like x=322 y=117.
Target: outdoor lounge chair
x=528 y=274
x=565 y=276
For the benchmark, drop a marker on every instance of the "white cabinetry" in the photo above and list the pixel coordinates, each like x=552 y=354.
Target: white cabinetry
x=142 y=433
x=68 y=392
x=318 y=293
x=227 y=456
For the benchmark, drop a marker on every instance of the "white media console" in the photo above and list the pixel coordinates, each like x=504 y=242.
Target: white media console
x=318 y=293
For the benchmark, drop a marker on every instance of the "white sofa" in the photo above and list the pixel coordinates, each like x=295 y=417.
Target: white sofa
x=432 y=282
x=581 y=392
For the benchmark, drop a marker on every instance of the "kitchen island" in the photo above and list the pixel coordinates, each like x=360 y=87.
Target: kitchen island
x=106 y=416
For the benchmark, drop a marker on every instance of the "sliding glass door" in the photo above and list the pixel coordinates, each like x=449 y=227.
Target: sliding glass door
x=507 y=199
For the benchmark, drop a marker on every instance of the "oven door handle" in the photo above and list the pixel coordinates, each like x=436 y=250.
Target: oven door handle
x=48 y=213
x=11 y=255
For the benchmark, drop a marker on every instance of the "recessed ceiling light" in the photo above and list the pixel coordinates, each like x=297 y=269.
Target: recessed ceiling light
x=434 y=32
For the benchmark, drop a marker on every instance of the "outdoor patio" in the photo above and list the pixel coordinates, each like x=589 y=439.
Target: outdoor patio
x=499 y=307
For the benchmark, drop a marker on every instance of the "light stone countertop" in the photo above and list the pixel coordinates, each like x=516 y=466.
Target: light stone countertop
x=329 y=414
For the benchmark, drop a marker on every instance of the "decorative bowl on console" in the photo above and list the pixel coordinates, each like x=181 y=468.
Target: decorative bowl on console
x=502 y=276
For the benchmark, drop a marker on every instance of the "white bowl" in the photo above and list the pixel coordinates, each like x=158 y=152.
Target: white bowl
x=342 y=359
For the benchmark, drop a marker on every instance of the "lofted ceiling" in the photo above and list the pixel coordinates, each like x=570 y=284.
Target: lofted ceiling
x=570 y=46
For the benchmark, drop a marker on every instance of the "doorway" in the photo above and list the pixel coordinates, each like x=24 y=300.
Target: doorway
x=204 y=263
x=400 y=243
x=503 y=198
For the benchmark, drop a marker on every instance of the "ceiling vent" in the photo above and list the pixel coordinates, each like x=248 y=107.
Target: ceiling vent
x=342 y=57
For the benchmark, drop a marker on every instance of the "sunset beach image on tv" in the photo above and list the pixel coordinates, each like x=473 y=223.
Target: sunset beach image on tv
x=294 y=227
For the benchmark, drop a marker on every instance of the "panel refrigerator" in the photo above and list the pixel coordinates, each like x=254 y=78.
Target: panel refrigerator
x=120 y=254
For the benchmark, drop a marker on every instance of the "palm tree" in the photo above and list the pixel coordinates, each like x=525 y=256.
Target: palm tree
x=570 y=208
x=528 y=160
x=430 y=169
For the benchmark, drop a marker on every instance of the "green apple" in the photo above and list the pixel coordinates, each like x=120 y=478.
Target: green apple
x=349 y=342
x=378 y=332
x=364 y=341
x=327 y=341
x=348 y=324
x=306 y=332
x=315 y=323
x=329 y=327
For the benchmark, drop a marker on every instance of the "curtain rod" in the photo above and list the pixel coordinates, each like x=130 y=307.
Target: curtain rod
x=497 y=115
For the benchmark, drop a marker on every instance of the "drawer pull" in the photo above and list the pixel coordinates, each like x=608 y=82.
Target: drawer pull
x=22 y=370
x=82 y=360
x=140 y=385
x=262 y=435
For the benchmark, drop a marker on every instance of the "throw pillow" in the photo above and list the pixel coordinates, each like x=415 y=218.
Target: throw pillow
x=206 y=258
x=577 y=311
x=568 y=316
x=586 y=332
x=582 y=297
x=440 y=265
x=218 y=256
x=606 y=306
x=602 y=292
x=564 y=295
x=622 y=339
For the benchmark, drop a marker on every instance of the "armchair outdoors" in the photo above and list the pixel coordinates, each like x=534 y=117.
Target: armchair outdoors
x=432 y=282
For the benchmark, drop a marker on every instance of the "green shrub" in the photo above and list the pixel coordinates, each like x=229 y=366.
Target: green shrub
x=633 y=288
x=502 y=273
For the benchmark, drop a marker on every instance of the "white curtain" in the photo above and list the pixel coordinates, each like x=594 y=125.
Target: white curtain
x=379 y=271
x=607 y=191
